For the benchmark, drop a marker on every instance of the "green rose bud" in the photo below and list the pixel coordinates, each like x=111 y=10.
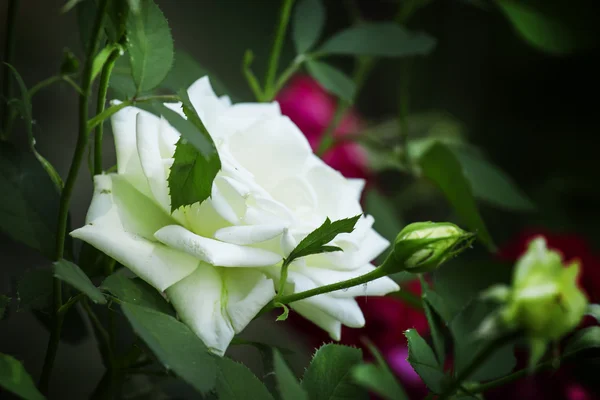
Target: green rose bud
x=544 y=299
x=424 y=246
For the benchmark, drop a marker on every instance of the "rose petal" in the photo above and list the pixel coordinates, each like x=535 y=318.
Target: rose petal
x=136 y=213
x=373 y=245
x=208 y=106
x=344 y=310
x=268 y=143
x=124 y=132
x=149 y=130
x=155 y=263
x=323 y=320
x=248 y=291
x=197 y=300
x=336 y=197
x=358 y=185
x=213 y=251
x=248 y=234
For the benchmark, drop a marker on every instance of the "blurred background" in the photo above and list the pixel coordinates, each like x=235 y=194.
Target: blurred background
x=532 y=113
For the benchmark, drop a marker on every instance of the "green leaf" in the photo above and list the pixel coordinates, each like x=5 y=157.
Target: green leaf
x=34 y=289
x=23 y=217
x=332 y=79
x=457 y=292
x=309 y=20
x=4 y=304
x=424 y=362
x=441 y=166
x=34 y=292
x=593 y=310
x=329 y=375
x=175 y=345
x=185 y=71
x=150 y=46
x=467 y=344
x=378 y=378
x=100 y=60
x=134 y=5
x=438 y=304
x=315 y=242
x=115 y=23
x=136 y=291
x=434 y=320
x=121 y=81
x=236 y=382
x=491 y=184
x=383 y=39
x=554 y=27
x=289 y=387
x=196 y=160
x=92 y=261
x=74 y=276
x=387 y=223
x=585 y=339
x=15 y=379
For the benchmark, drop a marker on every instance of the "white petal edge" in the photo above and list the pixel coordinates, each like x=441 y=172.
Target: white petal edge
x=148 y=131
x=155 y=263
x=197 y=300
x=248 y=234
x=344 y=310
x=213 y=251
x=248 y=291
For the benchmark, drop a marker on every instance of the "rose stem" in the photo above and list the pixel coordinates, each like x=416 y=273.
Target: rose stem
x=65 y=197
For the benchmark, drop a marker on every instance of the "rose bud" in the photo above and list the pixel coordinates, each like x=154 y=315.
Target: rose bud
x=424 y=246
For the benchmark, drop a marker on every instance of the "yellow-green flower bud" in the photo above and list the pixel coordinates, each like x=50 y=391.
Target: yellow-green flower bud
x=424 y=246
x=545 y=300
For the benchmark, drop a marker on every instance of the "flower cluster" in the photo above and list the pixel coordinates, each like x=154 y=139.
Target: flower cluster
x=219 y=261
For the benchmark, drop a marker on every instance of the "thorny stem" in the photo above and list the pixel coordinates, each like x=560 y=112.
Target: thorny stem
x=65 y=198
x=479 y=359
x=384 y=269
x=550 y=364
x=101 y=103
x=287 y=74
x=375 y=274
x=284 y=18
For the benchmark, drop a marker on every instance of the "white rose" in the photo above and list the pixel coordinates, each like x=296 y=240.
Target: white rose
x=219 y=261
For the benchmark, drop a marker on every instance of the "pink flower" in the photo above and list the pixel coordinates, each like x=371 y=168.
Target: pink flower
x=312 y=109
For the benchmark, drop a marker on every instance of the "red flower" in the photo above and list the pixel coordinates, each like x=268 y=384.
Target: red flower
x=311 y=108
